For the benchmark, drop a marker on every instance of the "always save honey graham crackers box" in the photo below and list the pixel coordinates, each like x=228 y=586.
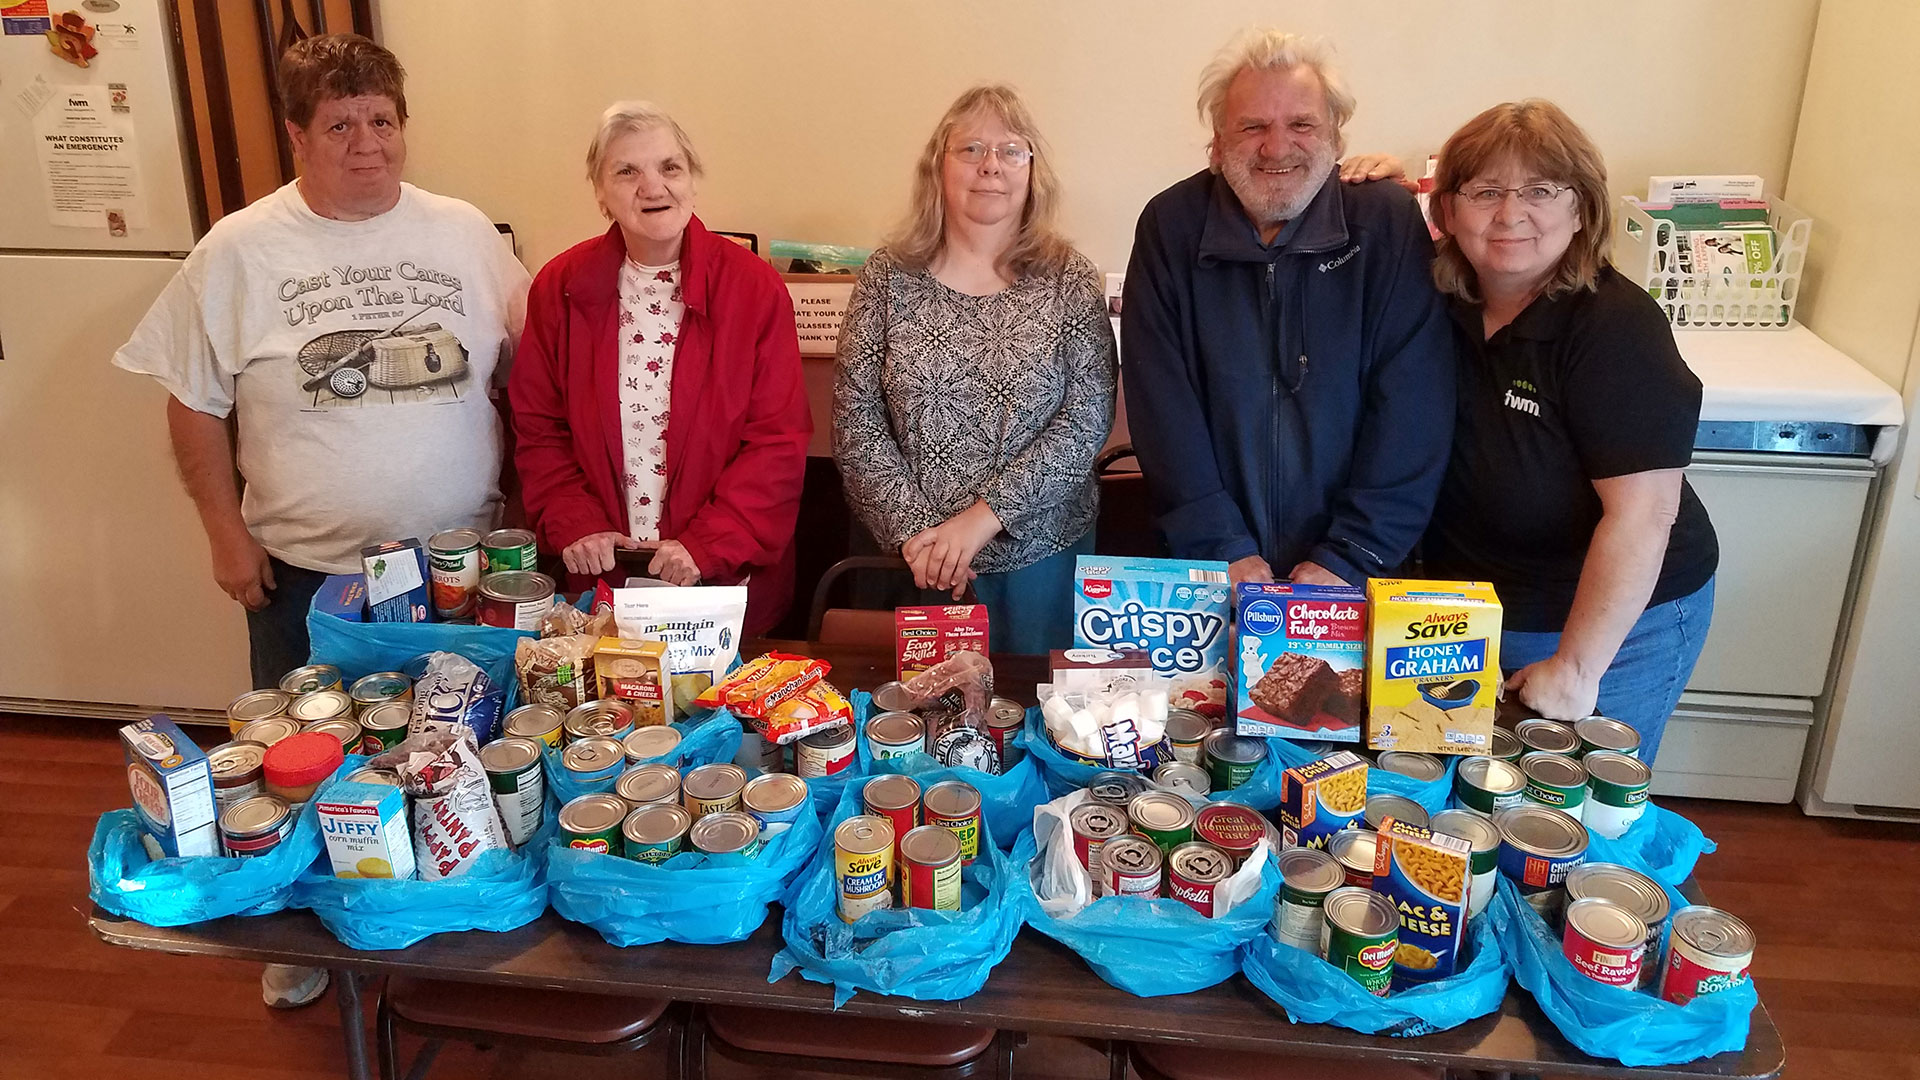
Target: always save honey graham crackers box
x=1433 y=665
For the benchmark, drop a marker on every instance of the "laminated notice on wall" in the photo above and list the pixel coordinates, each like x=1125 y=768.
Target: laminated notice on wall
x=89 y=162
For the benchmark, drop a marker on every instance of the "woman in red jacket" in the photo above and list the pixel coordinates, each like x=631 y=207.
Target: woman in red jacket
x=657 y=394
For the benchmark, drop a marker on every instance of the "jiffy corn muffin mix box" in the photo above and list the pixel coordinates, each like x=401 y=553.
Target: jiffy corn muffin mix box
x=365 y=826
x=1433 y=665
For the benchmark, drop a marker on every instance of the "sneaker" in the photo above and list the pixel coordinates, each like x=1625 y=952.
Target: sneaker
x=283 y=986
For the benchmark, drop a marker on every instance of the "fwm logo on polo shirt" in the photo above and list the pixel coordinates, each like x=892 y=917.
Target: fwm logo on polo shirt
x=1521 y=404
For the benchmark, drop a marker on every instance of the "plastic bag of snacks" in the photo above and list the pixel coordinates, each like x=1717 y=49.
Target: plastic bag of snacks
x=1007 y=799
x=704 y=738
x=1145 y=946
x=687 y=896
x=1660 y=843
x=938 y=941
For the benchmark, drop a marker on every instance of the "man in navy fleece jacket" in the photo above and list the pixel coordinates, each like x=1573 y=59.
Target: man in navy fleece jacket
x=1288 y=366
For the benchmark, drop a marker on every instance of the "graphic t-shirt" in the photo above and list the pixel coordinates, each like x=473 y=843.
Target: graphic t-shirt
x=651 y=307
x=358 y=356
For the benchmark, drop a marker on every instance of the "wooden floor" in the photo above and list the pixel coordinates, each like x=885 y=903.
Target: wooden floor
x=1834 y=904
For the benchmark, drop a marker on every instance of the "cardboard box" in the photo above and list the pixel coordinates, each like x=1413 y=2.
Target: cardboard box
x=1302 y=669
x=1433 y=665
x=366 y=830
x=1093 y=670
x=1321 y=798
x=396 y=579
x=1178 y=612
x=1426 y=875
x=172 y=787
x=343 y=596
x=636 y=672
x=924 y=636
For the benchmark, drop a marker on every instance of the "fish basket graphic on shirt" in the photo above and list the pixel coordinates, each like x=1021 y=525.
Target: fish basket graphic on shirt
x=416 y=358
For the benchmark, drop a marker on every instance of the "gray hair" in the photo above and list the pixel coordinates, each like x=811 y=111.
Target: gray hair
x=626 y=117
x=1266 y=49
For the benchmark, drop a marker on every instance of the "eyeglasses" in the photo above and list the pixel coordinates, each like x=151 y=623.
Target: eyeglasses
x=1012 y=155
x=1486 y=198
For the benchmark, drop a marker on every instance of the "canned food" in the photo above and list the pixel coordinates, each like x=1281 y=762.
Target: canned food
x=1478 y=831
x=1538 y=845
x=1605 y=941
x=1194 y=874
x=1231 y=827
x=863 y=865
x=371 y=690
x=1547 y=737
x=310 y=679
x=1117 y=788
x=602 y=718
x=1187 y=733
x=954 y=805
x=1505 y=746
x=654 y=783
x=374 y=774
x=1556 y=781
x=655 y=832
x=893 y=696
x=269 y=730
x=255 y=825
x=775 y=800
x=712 y=789
x=896 y=798
x=895 y=734
x=1183 y=776
x=1354 y=850
x=824 y=753
x=256 y=705
x=1708 y=951
x=1616 y=792
x=593 y=761
x=384 y=726
x=760 y=754
x=1094 y=824
x=453 y=559
x=237 y=772
x=1362 y=935
x=593 y=823
x=1631 y=890
x=509 y=549
x=344 y=728
x=651 y=743
x=728 y=832
x=543 y=723
x=930 y=869
x=1231 y=759
x=1489 y=784
x=1606 y=733
x=515 y=599
x=1130 y=866
x=320 y=705
x=1422 y=767
x=1006 y=719
x=1162 y=817
x=1397 y=807
x=1307 y=877
x=519 y=786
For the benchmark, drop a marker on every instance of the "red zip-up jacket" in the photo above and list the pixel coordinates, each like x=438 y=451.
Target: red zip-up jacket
x=737 y=426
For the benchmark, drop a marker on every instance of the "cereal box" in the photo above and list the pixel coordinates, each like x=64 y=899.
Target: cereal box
x=172 y=786
x=1425 y=875
x=1322 y=797
x=365 y=827
x=637 y=673
x=1433 y=665
x=1177 y=612
x=924 y=636
x=1303 y=651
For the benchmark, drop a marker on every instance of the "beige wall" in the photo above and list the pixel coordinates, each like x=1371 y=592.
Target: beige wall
x=809 y=113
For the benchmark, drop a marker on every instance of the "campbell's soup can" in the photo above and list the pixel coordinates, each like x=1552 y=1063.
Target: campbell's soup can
x=1708 y=951
x=453 y=559
x=1094 y=824
x=1194 y=874
x=509 y=549
x=515 y=599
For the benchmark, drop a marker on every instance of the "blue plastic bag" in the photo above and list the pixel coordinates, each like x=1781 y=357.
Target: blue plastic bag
x=1063 y=774
x=704 y=739
x=914 y=952
x=692 y=897
x=1660 y=844
x=502 y=890
x=359 y=649
x=1313 y=991
x=1632 y=1027
x=1434 y=795
x=1006 y=800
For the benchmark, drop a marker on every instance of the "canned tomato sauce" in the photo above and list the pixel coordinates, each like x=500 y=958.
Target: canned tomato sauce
x=453 y=559
x=592 y=823
x=1130 y=866
x=655 y=832
x=1307 y=877
x=712 y=789
x=930 y=869
x=256 y=705
x=515 y=599
x=255 y=826
x=1538 y=846
x=895 y=734
x=824 y=753
x=895 y=798
x=862 y=865
x=1605 y=941
x=654 y=783
x=1194 y=874
x=1362 y=935
x=1094 y=824
x=954 y=805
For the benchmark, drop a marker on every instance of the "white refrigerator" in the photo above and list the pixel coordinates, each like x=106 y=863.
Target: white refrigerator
x=107 y=603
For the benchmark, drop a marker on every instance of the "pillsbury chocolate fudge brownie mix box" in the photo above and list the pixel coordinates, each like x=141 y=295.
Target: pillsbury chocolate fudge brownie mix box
x=1303 y=653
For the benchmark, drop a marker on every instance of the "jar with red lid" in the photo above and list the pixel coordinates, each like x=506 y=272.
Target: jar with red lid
x=297 y=765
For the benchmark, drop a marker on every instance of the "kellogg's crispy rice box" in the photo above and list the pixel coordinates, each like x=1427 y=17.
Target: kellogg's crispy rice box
x=1177 y=612
x=1433 y=665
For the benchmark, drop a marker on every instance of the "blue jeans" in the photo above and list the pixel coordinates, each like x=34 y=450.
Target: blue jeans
x=277 y=634
x=1643 y=684
x=1030 y=610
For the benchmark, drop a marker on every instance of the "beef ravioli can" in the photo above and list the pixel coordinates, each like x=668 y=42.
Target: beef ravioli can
x=1632 y=890
x=1605 y=941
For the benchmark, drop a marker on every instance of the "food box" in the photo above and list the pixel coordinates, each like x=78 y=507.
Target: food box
x=1303 y=652
x=1321 y=798
x=365 y=826
x=396 y=579
x=1096 y=670
x=637 y=673
x=924 y=636
x=1433 y=665
x=1177 y=612
x=343 y=596
x=172 y=786
x=1425 y=875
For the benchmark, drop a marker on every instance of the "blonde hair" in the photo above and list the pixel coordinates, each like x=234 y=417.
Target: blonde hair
x=1545 y=141
x=625 y=117
x=1267 y=49
x=1037 y=248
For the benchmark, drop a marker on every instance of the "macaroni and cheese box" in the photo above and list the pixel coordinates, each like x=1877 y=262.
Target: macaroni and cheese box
x=1177 y=612
x=1322 y=797
x=1433 y=665
x=172 y=786
x=637 y=673
x=365 y=826
x=1425 y=875
x=1303 y=652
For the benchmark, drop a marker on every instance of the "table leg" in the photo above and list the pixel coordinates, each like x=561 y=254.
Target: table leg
x=353 y=1023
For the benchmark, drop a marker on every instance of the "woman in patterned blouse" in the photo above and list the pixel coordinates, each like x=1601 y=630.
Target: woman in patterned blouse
x=976 y=379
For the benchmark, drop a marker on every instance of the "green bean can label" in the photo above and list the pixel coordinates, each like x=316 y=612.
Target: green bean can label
x=510 y=549
x=1367 y=959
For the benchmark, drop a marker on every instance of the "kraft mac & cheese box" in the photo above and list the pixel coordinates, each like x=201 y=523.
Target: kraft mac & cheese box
x=1433 y=665
x=1175 y=611
x=1303 y=652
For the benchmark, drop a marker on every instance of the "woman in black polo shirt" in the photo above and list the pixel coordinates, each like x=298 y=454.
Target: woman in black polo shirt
x=1576 y=416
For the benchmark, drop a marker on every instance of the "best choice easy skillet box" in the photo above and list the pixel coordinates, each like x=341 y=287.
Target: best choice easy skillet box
x=1433 y=665
x=1177 y=612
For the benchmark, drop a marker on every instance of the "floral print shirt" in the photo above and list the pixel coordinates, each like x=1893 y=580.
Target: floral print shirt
x=650 y=310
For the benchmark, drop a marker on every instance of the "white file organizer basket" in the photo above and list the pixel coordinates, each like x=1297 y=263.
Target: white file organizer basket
x=1646 y=249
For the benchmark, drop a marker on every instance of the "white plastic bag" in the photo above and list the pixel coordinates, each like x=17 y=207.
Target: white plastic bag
x=1063 y=886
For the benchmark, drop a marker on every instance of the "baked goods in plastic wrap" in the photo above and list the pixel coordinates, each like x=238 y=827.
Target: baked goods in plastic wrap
x=455 y=820
x=953 y=698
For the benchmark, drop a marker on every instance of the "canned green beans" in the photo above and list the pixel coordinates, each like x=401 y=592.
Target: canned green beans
x=1606 y=733
x=1547 y=737
x=1556 y=781
x=1616 y=792
x=592 y=823
x=1363 y=932
x=1162 y=817
x=1232 y=759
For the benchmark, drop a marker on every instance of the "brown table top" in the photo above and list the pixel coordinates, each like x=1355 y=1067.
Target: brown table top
x=1041 y=986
